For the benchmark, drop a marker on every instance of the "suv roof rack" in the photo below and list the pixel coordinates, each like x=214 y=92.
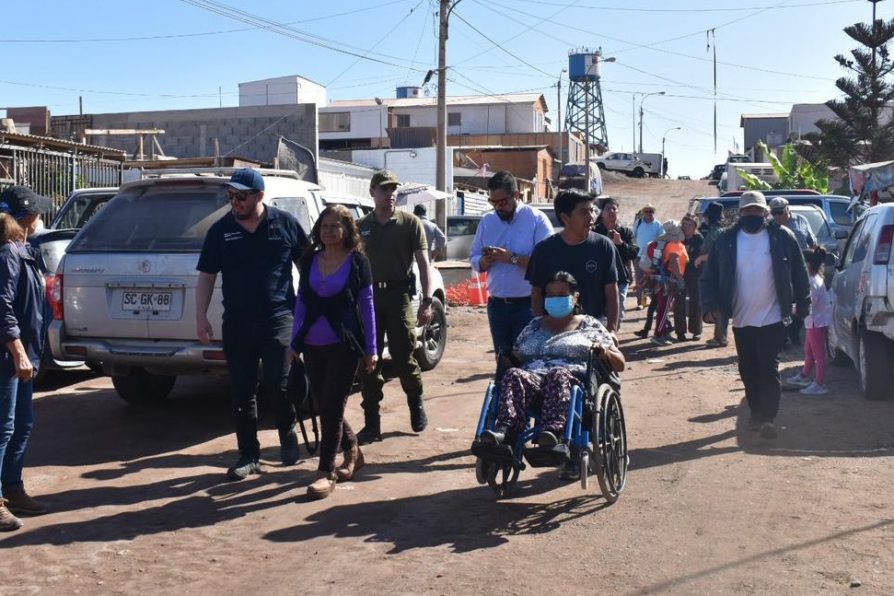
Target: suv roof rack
x=217 y=171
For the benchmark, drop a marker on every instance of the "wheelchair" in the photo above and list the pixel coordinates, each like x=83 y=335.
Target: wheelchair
x=595 y=436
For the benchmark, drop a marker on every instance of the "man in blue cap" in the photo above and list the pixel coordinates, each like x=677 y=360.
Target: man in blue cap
x=253 y=247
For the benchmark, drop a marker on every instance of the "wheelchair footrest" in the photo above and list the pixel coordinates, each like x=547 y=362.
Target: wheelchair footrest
x=498 y=454
x=548 y=457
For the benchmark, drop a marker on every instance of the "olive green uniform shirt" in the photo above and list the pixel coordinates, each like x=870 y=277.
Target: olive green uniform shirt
x=391 y=247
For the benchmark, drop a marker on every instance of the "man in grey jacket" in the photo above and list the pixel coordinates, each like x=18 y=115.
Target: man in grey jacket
x=755 y=272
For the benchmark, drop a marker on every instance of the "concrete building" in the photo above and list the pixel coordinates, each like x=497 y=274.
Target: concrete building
x=249 y=132
x=289 y=90
x=803 y=118
x=411 y=121
x=772 y=129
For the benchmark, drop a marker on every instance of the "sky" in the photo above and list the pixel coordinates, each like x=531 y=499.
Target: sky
x=131 y=55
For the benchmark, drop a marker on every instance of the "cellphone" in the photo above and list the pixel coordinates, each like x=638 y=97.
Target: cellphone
x=490 y=249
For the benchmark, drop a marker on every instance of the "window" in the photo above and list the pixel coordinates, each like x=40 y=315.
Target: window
x=840 y=214
x=140 y=219
x=454 y=119
x=403 y=121
x=335 y=121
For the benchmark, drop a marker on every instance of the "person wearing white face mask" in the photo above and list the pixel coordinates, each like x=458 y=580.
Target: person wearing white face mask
x=549 y=357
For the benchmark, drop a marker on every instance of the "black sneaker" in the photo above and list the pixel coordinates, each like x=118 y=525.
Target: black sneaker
x=369 y=434
x=754 y=424
x=643 y=333
x=418 y=419
x=243 y=468
x=289 y=452
x=768 y=431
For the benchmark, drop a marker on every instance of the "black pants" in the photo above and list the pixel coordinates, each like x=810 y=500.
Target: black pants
x=331 y=370
x=690 y=309
x=758 y=349
x=247 y=342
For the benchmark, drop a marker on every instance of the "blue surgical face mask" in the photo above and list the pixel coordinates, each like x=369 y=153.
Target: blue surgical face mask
x=559 y=306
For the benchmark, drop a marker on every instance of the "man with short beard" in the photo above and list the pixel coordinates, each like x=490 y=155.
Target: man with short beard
x=502 y=247
x=253 y=247
x=755 y=272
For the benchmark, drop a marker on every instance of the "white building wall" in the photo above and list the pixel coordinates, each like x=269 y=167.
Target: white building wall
x=494 y=119
x=281 y=91
x=411 y=165
x=366 y=122
x=803 y=117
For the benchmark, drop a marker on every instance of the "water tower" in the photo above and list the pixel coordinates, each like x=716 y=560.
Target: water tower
x=585 y=114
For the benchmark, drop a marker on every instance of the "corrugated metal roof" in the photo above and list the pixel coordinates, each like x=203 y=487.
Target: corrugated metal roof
x=53 y=142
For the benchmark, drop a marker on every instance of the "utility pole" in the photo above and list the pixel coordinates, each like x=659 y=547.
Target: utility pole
x=441 y=151
x=559 y=116
x=641 y=102
x=663 y=138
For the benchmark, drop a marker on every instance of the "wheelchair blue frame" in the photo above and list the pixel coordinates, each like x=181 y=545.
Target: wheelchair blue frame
x=594 y=432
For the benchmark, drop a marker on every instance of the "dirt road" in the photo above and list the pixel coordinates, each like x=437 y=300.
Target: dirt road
x=141 y=504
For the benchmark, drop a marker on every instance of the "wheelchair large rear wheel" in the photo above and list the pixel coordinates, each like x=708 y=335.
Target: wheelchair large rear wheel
x=501 y=478
x=610 y=442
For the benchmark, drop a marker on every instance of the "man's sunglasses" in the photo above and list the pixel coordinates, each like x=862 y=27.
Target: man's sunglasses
x=240 y=195
x=498 y=203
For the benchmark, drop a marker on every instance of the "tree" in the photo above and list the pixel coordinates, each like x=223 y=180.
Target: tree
x=792 y=170
x=864 y=130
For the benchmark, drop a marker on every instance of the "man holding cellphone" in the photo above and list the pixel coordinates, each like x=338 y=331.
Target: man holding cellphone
x=502 y=246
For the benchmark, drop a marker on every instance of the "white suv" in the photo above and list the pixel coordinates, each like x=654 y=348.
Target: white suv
x=862 y=292
x=126 y=286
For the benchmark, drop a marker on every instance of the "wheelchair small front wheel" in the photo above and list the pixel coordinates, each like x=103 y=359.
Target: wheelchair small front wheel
x=501 y=478
x=482 y=470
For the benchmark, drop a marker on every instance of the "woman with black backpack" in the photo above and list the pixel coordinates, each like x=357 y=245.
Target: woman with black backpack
x=334 y=328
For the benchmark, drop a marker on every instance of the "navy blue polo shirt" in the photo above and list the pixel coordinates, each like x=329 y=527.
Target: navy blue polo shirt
x=256 y=266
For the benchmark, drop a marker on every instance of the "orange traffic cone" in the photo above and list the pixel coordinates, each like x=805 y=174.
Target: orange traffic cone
x=478 y=293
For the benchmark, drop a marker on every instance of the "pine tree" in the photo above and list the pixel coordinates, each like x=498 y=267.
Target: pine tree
x=864 y=130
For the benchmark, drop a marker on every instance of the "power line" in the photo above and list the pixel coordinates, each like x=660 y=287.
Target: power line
x=195 y=34
x=281 y=29
x=646 y=46
x=375 y=45
x=663 y=10
x=497 y=45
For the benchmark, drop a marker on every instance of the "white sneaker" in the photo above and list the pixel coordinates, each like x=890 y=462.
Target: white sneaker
x=815 y=389
x=798 y=380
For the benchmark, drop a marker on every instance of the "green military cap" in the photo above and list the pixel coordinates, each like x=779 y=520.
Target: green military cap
x=383 y=177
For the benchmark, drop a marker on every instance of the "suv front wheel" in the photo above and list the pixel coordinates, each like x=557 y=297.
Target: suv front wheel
x=143 y=388
x=434 y=337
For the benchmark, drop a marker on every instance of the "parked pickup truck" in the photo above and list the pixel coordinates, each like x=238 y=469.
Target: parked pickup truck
x=862 y=292
x=125 y=290
x=632 y=164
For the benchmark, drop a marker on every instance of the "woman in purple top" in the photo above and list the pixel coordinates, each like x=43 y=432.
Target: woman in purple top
x=334 y=328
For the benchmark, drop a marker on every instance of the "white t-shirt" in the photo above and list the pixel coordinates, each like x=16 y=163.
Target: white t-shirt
x=755 y=303
x=820 y=304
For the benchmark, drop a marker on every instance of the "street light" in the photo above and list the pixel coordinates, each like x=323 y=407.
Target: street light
x=663 y=137
x=641 y=102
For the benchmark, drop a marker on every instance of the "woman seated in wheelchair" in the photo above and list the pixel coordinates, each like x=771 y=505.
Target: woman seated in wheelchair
x=549 y=358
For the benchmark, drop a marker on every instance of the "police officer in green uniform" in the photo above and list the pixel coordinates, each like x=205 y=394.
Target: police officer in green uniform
x=392 y=240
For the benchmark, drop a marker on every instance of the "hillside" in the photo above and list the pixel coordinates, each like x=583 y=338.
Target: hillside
x=670 y=197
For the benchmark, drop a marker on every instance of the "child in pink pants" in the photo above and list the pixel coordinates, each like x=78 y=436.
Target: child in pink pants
x=816 y=325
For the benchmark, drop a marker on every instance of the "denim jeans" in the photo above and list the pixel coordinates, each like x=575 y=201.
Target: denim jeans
x=622 y=301
x=16 y=421
x=245 y=343
x=506 y=320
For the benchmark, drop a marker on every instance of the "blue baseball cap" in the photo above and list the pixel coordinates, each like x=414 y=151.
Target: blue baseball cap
x=247 y=179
